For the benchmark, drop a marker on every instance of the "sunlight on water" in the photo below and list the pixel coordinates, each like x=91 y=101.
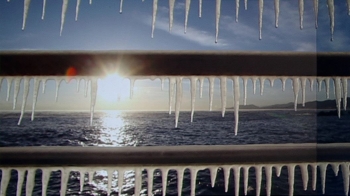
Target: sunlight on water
x=111 y=132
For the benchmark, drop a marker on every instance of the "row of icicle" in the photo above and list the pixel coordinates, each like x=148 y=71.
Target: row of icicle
x=330 y=4
x=175 y=82
x=65 y=174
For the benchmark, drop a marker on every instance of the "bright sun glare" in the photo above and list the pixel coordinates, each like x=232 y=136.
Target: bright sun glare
x=113 y=88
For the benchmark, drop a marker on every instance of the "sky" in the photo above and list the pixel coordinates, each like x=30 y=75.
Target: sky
x=100 y=26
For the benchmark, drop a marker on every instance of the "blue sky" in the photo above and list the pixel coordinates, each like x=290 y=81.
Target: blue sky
x=100 y=26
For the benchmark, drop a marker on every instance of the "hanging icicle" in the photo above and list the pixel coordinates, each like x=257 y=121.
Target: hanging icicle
x=16 y=90
x=301 y=13
x=63 y=14
x=237 y=10
x=178 y=99
x=316 y=13
x=25 y=13
x=344 y=82
x=35 y=95
x=9 y=83
x=330 y=4
x=211 y=92
x=277 y=12
x=172 y=82
x=236 y=104
x=218 y=9
x=261 y=10
x=93 y=98
x=121 y=6
x=44 y=7
x=193 y=94
x=154 y=16
x=77 y=10
x=187 y=11
x=171 y=13
x=200 y=8
x=223 y=86
x=296 y=85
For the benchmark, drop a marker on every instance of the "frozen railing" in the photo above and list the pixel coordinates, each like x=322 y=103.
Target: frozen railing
x=308 y=157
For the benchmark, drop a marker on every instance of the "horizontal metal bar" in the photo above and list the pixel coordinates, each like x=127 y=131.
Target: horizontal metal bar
x=146 y=63
x=173 y=155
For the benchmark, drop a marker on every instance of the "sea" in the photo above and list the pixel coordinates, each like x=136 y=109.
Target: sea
x=125 y=128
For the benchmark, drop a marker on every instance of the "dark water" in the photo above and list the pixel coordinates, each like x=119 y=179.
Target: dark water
x=157 y=128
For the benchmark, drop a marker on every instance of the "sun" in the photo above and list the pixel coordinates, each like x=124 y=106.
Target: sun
x=113 y=88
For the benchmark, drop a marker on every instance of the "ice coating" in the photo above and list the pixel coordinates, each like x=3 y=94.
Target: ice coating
x=121 y=6
x=24 y=100
x=154 y=16
x=30 y=182
x=291 y=173
x=63 y=14
x=77 y=10
x=201 y=83
x=200 y=8
x=16 y=90
x=187 y=11
x=277 y=12
x=180 y=176
x=172 y=82
x=296 y=86
x=211 y=92
x=245 y=90
x=258 y=174
x=223 y=86
x=217 y=19
x=43 y=13
x=20 y=179
x=316 y=13
x=93 y=98
x=261 y=10
x=9 y=83
x=236 y=103
x=303 y=87
x=344 y=82
x=237 y=10
x=171 y=13
x=330 y=4
x=25 y=13
x=301 y=13
x=164 y=179
x=193 y=94
x=178 y=99
x=193 y=180
x=5 y=178
x=304 y=175
x=268 y=173
x=35 y=96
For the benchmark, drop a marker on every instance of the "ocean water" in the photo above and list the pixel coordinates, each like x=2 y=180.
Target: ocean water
x=113 y=128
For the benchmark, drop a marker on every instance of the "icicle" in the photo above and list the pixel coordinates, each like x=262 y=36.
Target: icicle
x=262 y=82
x=316 y=13
x=330 y=4
x=226 y=176
x=30 y=182
x=45 y=180
x=268 y=173
x=20 y=179
x=121 y=179
x=211 y=92
x=110 y=177
x=272 y=81
x=24 y=99
x=311 y=80
x=43 y=81
x=1 y=79
x=35 y=96
x=78 y=84
x=319 y=82
x=277 y=12
x=193 y=94
x=284 y=79
x=296 y=91
x=245 y=4
x=327 y=87
x=16 y=90
x=345 y=91
x=64 y=181
x=180 y=175
x=149 y=181
x=261 y=9
x=258 y=174
x=291 y=169
x=245 y=91
x=25 y=13
x=193 y=181
x=304 y=175
x=335 y=167
x=77 y=10
x=314 y=176
x=301 y=13
x=138 y=182
x=348 y=2
x=245 y=177
x=43 y=13
x=213 y=173
x=155 y=7
x=178 y=99
x=121 y=6
x=162 y=83
x=223 y=86
x=93 y=99
x=90 y=2
x=237 y=172
x=82 y=179
x=338 y=94
x=218 y=9
x=237 y=10
x=323 y=168
x=5 y=178
x=303 y=87
x=201 y=82
x=188 y=3
x=345 y=173
x=9 y=82
x=164 y=179
x=278 y=170
x=171 y=13
x=132 y=83
x=200 y=8
x=237 y=97
x=63 y=14
x=254 y=79
x=58 y=83
x=91 y=176
x=172 y=82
